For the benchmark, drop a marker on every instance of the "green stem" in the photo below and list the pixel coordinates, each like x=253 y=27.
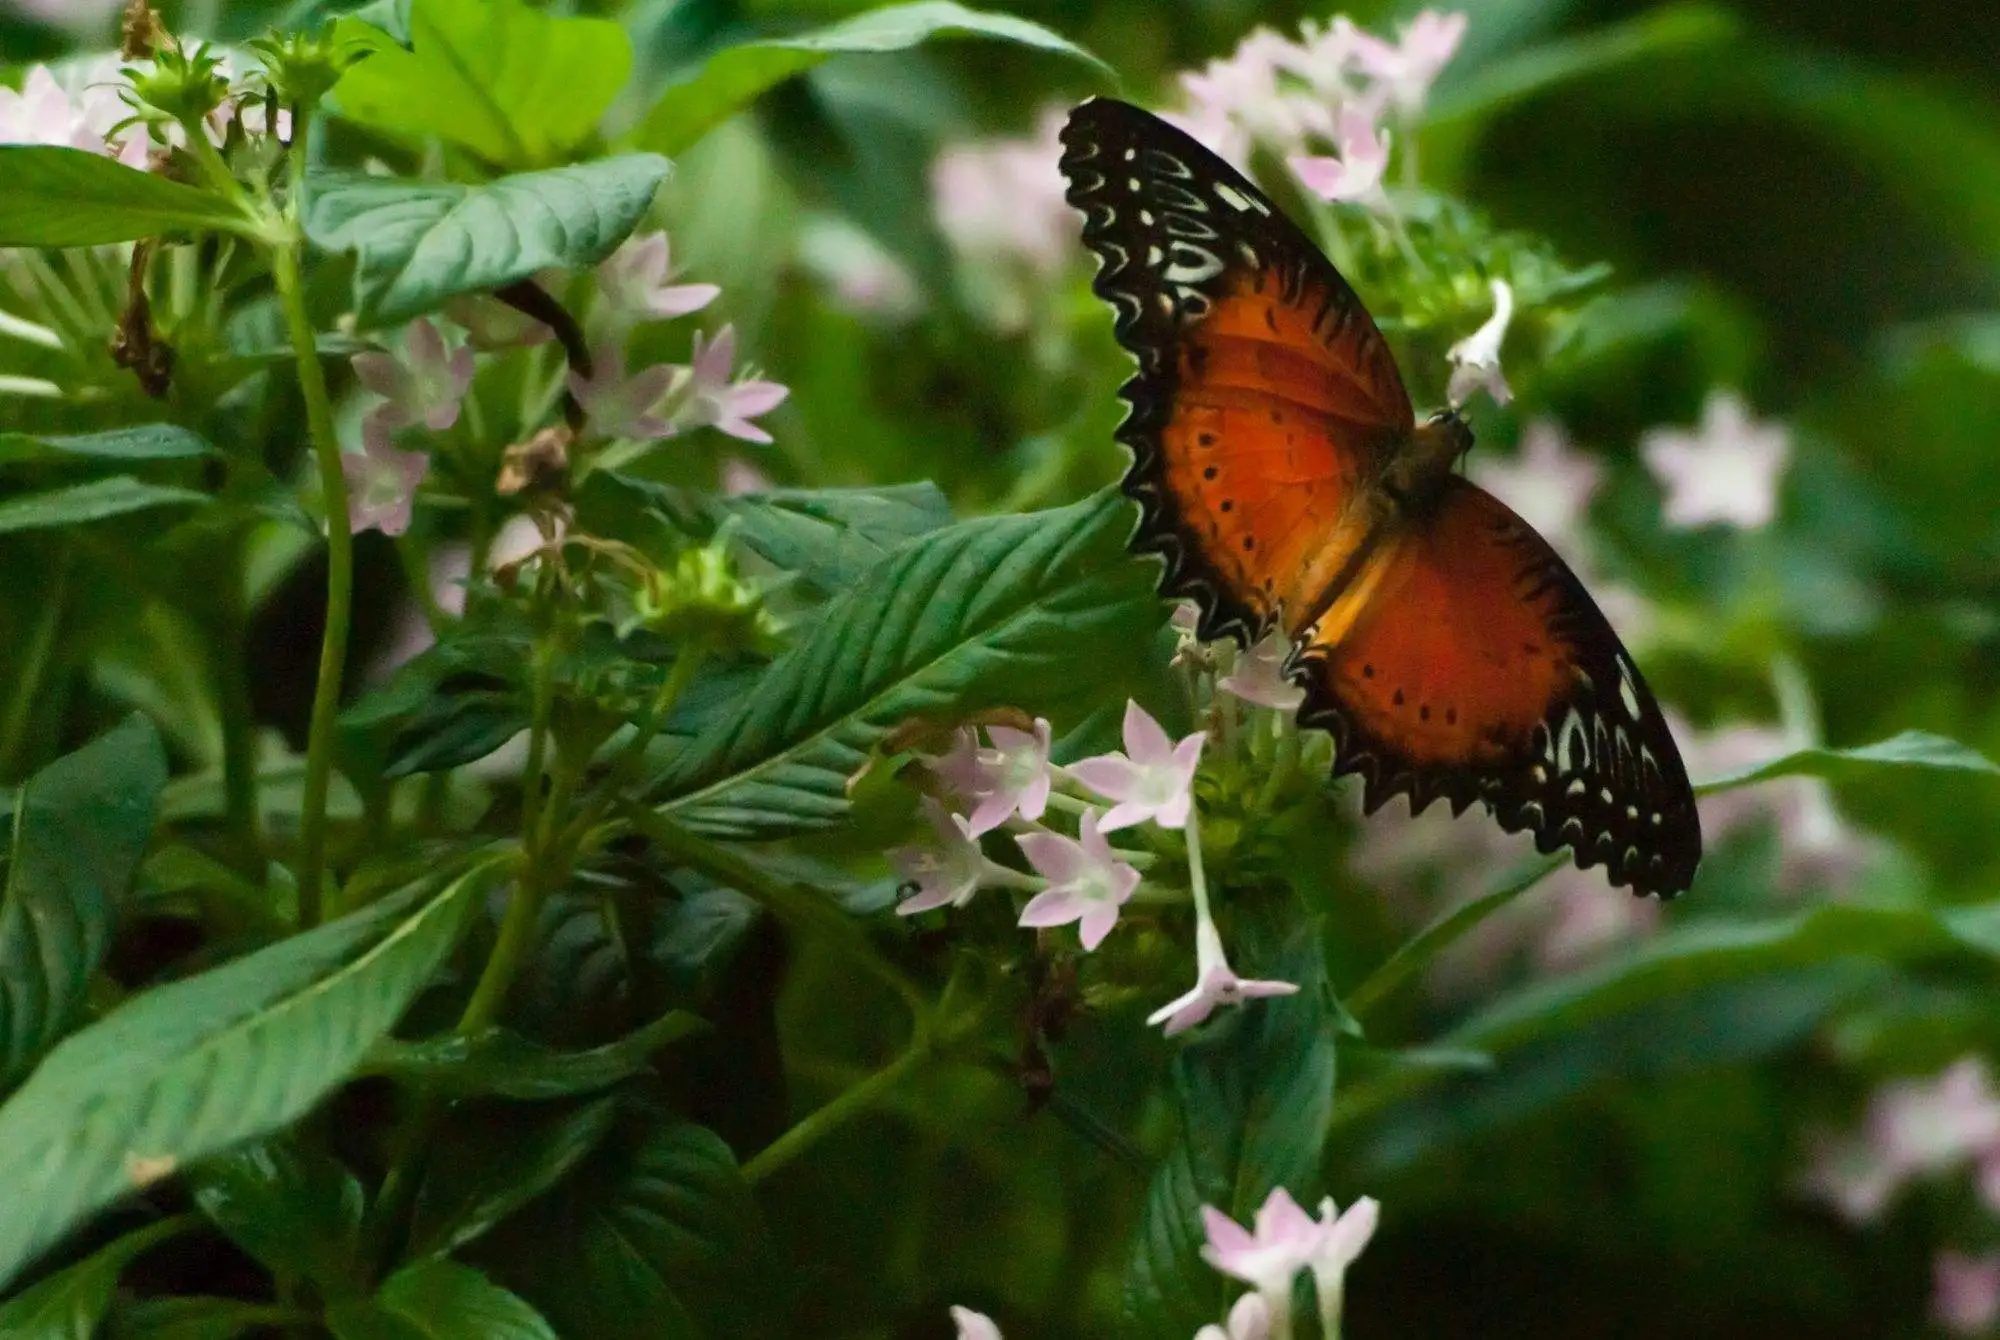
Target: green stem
x=339 y=580
x=835 y=1114
x=34 y=667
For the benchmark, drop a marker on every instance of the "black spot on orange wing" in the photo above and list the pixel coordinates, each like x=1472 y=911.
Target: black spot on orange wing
x=1264 y=392
x=1551 y=726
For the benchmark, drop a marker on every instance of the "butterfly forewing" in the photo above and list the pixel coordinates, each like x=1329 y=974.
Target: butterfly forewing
x=1264 y=392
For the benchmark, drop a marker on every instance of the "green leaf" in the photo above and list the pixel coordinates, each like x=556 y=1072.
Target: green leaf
x=1498 y=84
x=1911 y=749
x=1256 y=1099
x=79 y=830
x=57 y=197
x=518 y=87
x=1001 y=610
x=420 y=243
x=737 y=77
x=506 y=1064
x=93 y=501
x=192 y=1317
x=619 y=1250
x=187 y=1069
x=831 y=537
x=296 y=1210
x=1688 y=960
x=490 y=1166
x=438 y=1300
x=70 y=1304
x=143 y=442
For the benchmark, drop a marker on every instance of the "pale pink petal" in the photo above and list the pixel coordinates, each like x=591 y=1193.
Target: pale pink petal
x=1054 y=857
x=1096 y=923
x=1123 y=815
x=1054 y=907
x=1146 y=743
x=1112 y=776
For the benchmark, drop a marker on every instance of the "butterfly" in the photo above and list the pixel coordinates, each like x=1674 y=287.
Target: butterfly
x=1283 y=476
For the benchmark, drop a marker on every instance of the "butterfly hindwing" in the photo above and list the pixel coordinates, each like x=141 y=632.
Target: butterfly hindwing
x=1472 y=665
x=1264 y=392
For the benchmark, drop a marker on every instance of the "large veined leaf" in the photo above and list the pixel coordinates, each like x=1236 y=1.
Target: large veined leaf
x=1020 y=610
x=294 y=1208
x=438 y=1300
x=517 y=86
x=95 y=500
x=420 y=243
x=70 y=1304
x=142 y=442
x=79 y=829
x=191 y=1068
x=504 y=1063
x=59 y=197
x=737 y=77
x=831 y=537
x=1911 y=749
x=1256 y=1098
x=1685 y=961
x=626 y=1245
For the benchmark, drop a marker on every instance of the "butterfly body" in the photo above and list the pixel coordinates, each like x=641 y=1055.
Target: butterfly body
x=1286 y=482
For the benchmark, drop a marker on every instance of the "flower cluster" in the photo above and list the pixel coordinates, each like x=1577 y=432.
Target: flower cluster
x=1012 y=782
x=1000 y=205
x=424 y=383
x=1917 y=1129
x=89 y=105
x=1283 y=1242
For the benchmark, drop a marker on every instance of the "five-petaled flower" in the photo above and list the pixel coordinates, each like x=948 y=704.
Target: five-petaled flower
x=1342 y=1238
x=633 y=282
x=1475 y=360
x=1216 y=983
x=1356 y=175
x=1406 y=70
x=1285 y=1241
x=712 y=399
x=1259 y=676
x=621 y=406
x=950 y=872
x=424 y=385
x=1011 y=777
x=381 y=480
x=1087 y=882
x=1725 y=471
x=1153 y=778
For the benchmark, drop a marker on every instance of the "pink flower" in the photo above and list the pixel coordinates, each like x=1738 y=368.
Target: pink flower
x=77 y=116
x=1087 y=883
x=1476 y=358
x=1012 y=776
x=740 y=477
x=948 y=873
x=974 y=1325
x=1216 y=983
x=1153 y=779
x=1851 y=1175
x=1001 y=201
x=863 y=276
x=381 y=481
x=1726 y=471
x=1817 y=846
x=1249 y=1319
x=424 y=385
x=1259 y=676
x=1285 y=1242
x=713 y=399
x=1357 y=174
x=1924 y=1126
x=621 y=406
x=1407 y=70
x=1548 y=483
x=960 y=767
x=1965 y=1297
x=1240 y=100
x=1342 y=1240
x=1585 y=916
x=633 y=283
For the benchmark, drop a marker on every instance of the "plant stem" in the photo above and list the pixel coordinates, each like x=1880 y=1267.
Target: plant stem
x=339 y=578
x=837 y=1113
x=34 y=666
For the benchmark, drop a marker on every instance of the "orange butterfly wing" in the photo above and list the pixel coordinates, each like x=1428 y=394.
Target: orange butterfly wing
x=1265 y=395
x=1447 y=648
x=1467 y=662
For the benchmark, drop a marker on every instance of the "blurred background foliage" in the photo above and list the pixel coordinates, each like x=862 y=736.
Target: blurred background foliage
x=1800 y=202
